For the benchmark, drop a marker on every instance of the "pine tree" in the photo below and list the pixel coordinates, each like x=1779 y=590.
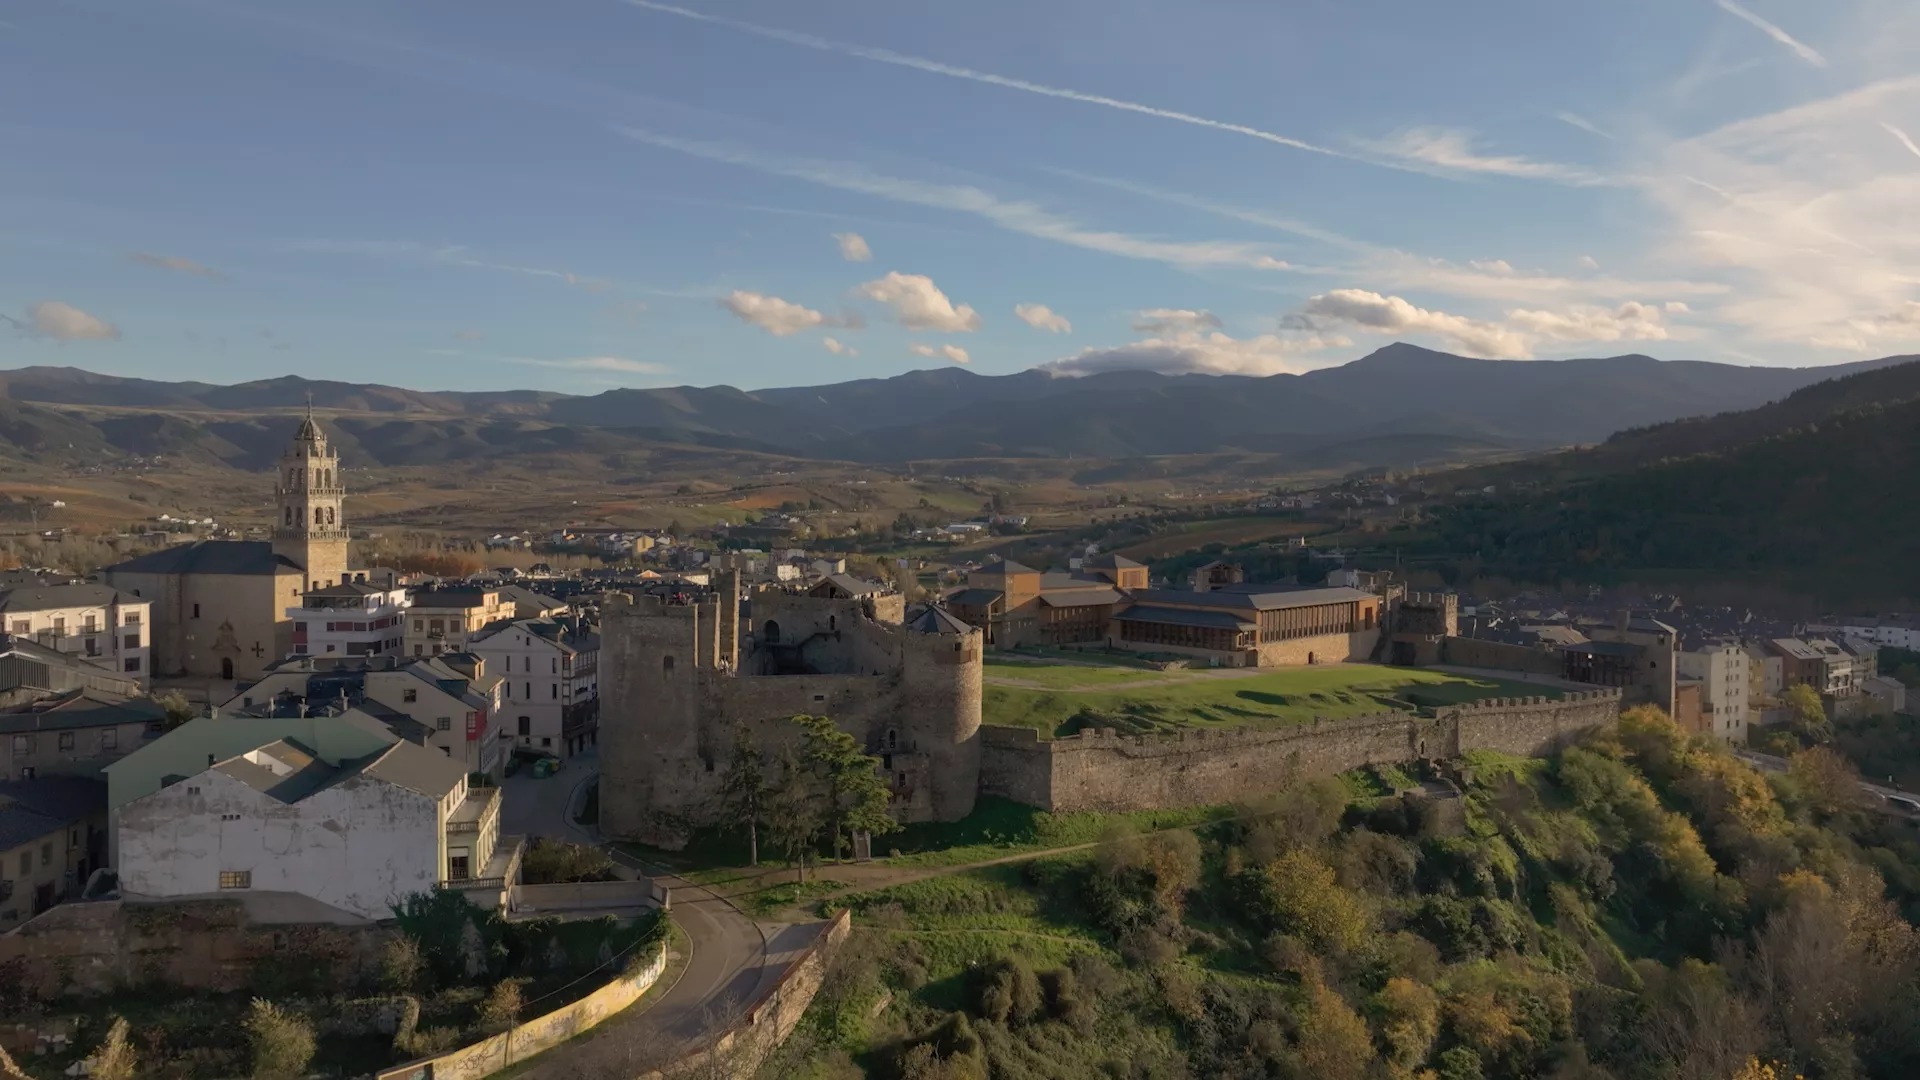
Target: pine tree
x=854 y=794
x=745 y=792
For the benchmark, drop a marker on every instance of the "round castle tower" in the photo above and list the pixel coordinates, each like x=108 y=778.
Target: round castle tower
x=940 y=701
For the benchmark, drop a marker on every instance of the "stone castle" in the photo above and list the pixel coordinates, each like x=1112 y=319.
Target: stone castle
x=678 y=679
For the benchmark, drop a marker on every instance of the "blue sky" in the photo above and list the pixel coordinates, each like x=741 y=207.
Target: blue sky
x=580 y=194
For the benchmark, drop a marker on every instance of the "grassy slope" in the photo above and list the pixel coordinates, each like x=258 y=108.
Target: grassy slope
x=1171 y=700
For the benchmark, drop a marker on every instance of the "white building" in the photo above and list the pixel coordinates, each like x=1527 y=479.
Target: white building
x=95 y=623
x=550 y=674
x=1893 y=632
x=355 y=833
x=350 y=619
x=457 y=699
x=1726 y=685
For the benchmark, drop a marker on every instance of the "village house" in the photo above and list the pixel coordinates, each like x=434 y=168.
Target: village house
x=548 y=670
x=29 y=672
x=52 y=837
x=355 y=831
x=458 y=700
x=442 y=620
x=96 y=622
x=1721 y=671
x=75 y=733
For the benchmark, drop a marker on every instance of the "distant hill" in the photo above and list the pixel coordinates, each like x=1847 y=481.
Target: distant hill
x=1814 y=493
x=1399 y=406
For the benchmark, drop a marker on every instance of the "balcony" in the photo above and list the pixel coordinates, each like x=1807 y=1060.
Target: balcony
x=480 y=810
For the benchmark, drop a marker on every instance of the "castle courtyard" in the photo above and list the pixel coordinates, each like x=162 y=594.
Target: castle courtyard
x=1060 y=699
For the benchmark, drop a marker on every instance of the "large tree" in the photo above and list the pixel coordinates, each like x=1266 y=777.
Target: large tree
x=745 y=793
x=853 y=794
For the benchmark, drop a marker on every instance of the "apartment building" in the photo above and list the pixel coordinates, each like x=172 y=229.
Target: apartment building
x=443 y=620
x=352 y=618
x=1722 y=672
x=52 y=837
x=549 y=670
x=456 y=698
x=77 y=733
x=97 y=623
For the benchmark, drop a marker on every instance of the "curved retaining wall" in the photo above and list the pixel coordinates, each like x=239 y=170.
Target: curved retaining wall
x=1098 y=770
x=490 y=1055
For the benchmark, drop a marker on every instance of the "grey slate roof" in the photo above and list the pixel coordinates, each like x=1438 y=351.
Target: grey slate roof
x=1214 y=620
x=1254 y=597
x=1606 y=648
x=30 y=809
x=1112 y=562
x=417 y=768
x=976 y=597
x=1080 y=597
x=308 y=774
x=936 y=621
x=853 y=586
x=48 y=597
x=79 y=709
x=1005 y=566
x=211 y=557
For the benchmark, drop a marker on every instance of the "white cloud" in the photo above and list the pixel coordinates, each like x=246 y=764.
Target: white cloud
x=1491 y=266
x=1192 y=352
x=1024 y=218
x=951 y=352
x=887 y=56
x=1393 y=315
x=1042 y=317
x=853 y=247
x=1588 y=262
x=597 y=363
x=1630 y=321
x=1800 y=49
x=1864 y=334
x=1513 y=338
x=166 y=262
x=1811 y=209
x=839 y=348
x=1453 y=152
x=919 y=304
x=63 y=322
x=1905 y=139
x=1582 y=123
x=1164 y=320
x=781 y=318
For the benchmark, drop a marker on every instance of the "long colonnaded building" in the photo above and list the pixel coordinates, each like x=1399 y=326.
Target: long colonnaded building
x=1225 y=623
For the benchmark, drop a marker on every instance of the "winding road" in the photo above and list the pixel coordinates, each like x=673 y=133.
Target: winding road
x=733 y=960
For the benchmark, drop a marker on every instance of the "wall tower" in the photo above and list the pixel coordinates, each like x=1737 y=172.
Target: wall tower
x=311 y=528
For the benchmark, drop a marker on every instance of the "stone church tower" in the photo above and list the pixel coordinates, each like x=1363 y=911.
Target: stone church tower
x=312 y=529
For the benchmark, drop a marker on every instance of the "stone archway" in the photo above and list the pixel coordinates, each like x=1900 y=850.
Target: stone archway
x=770 y=633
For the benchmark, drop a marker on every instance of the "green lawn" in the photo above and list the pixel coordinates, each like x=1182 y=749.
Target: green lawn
x=1069 y=699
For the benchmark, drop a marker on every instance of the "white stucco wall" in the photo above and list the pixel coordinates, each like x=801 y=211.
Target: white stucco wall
x=359 y=845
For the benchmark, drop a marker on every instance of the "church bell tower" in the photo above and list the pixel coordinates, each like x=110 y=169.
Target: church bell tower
x=312 y=527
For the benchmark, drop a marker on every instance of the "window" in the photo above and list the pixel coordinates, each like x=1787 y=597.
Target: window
x=555 y=687
x=22 y=626
x=110 y=739
x=132 y=642
x=409 y=695
x=66 y=740
x=22 y=745
x=666 y=663
x=46 y=854
x=59 y=627
x=546 y=742
x=528 y=696
x=416 y=626
x=196 y=611
x=444 y=723
x=132 y=618
x=457 y=868
x=93 y=624
x=556 y=665
x=236 y=879
x=526 y=726
x=417 y=649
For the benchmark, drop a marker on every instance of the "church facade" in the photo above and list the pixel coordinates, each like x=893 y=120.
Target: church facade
x=219 y=607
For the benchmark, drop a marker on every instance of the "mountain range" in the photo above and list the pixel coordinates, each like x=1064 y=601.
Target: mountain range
x=1401 y=405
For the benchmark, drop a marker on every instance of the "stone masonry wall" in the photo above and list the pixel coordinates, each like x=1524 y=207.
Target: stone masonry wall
x=1098 y=770
x=1500 y=656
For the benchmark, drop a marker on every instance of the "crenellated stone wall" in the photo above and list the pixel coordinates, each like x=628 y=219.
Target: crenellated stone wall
x=1099 y=770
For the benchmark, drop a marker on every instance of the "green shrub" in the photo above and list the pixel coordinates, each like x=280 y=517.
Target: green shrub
x=282 y=1043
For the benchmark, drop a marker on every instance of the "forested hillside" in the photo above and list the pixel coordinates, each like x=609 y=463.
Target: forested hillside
x=1825 y=505
x=1642 y=907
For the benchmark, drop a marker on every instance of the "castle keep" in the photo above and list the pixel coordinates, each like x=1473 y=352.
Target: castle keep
x=677 y=680
x=680 y=676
